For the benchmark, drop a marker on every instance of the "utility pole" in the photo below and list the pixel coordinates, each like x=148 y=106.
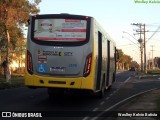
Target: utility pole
x=145 y=65
x=152 y=57
x=149 y=60
x=141 y=45
x=142 y=30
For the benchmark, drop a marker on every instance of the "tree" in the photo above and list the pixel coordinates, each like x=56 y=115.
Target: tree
x=120 y=64
x=135 y=64
x=125 y=61
x=13 y=16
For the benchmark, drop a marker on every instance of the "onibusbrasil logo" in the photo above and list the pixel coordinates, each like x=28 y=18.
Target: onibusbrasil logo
x=147 y=1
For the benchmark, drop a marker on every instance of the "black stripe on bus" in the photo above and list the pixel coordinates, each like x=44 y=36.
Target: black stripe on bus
x=108 y=62
x=99 y=69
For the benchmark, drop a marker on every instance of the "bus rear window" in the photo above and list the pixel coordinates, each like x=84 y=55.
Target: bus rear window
x=67 y=30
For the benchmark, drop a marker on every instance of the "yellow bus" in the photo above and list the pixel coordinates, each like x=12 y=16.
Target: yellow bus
x=69 y=52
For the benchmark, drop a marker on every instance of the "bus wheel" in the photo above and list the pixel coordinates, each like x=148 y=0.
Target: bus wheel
x=100 y=94
x=110 y=87
x=114 y=77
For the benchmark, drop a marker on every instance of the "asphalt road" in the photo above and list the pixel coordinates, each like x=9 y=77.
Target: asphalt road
x=72 y=106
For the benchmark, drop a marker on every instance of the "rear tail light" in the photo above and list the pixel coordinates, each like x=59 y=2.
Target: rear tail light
x=29 y=62
x=87 y=67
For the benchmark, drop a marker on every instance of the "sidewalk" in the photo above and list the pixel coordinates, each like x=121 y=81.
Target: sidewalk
x=147 y=102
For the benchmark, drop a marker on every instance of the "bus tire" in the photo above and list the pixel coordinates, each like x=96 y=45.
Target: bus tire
x=110 y=87
x=114 y=77
x=101 y=93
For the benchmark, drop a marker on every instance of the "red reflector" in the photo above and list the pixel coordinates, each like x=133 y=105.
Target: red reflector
x=86 y=17
x=89 y=65
x=89 y=60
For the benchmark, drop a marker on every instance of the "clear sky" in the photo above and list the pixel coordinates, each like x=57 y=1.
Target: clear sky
x=115 y=16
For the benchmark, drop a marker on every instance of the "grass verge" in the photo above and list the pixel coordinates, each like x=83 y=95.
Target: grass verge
x=153 y=71
x=14 y=82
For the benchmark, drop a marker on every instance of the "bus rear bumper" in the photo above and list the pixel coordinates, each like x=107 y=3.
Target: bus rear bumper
x=57 y=82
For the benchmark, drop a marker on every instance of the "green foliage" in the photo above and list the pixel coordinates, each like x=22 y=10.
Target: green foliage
x=156 y=71
x=13 y=17
x=158 y=62
x=17 y=11
x=125 y=61
x=134 y=64
x=14 y=83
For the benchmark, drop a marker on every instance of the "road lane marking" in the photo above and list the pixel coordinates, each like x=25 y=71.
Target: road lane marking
x=102 y=103
x=85 y=118
x=122 y=101
x=95 y=109
x=107 y=98
x=111 y=94
x=114 y=91
x=127 y=79
x=94 y=118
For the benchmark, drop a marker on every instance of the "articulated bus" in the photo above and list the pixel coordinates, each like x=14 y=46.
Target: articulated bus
x=69 y=52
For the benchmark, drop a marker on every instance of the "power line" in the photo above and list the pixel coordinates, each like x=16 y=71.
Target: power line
x=130 y=40
x=154 y=33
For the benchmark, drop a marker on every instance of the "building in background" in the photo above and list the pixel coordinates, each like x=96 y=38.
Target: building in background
x=153 y=64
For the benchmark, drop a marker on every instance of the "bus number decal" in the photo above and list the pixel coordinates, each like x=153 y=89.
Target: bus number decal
x=72 y=65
